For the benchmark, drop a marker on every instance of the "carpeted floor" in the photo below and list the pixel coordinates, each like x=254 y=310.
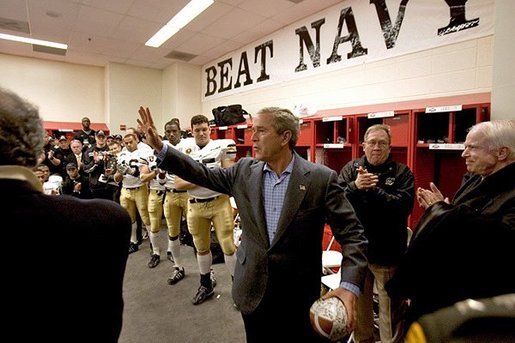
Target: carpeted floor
x=156 y=312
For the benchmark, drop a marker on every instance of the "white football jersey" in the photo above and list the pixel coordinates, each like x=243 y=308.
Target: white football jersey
x=211 y=156
x=183 y=145
x=134 y=160
x=154 y=183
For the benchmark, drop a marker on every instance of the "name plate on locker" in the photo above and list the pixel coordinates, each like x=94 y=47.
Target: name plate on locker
x=446 y=146
x=244 y=126
x=333 y=146
x=334 y=118
x=381 y=114
x=223 y=128
x=443 y=109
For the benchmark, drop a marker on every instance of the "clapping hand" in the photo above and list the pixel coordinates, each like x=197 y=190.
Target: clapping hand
x=147 y=126
x=365 y=180
x=426 y=197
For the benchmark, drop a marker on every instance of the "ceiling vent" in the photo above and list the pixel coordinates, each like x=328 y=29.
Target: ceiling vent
x=48 y=50
x=14 y=25
x=181 y=56
x=296 y=1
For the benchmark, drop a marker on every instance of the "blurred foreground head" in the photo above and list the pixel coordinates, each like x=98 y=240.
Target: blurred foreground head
x=21 y=131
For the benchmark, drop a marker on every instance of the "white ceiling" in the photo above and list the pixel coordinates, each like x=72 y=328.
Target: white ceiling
x=102 y=31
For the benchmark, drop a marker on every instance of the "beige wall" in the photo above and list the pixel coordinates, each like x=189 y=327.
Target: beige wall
x=503 y=89
x=67 y=92
x=62 y=91
x=461 y=68
x=127 y=88
x=112 y=95
x=181 y=93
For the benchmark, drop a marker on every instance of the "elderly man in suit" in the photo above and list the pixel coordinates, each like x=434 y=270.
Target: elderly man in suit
x=75 y=295
x=464 y=248
x=284 y=202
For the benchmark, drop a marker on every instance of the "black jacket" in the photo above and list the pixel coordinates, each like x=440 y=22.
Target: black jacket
x=384 y=210
x=75 y=293
x=464 y=250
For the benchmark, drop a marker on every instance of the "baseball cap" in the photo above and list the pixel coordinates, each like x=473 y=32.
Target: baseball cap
x=110 y=136
x=100 y=133
x=62 y=138
x=118 y=137
x=71 y=165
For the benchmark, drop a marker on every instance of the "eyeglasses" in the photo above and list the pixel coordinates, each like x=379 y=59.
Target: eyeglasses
x=381 y=144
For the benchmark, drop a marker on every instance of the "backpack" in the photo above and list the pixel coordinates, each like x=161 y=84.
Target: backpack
x=229 y=115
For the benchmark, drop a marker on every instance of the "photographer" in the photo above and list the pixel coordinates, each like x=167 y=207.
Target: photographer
x=95 y=159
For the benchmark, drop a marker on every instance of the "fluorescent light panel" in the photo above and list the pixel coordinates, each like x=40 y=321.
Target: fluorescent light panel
x=33 y=41
x=181 y=19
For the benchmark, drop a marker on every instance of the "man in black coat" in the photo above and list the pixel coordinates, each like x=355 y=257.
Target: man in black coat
x=465 y=249
x=381 y=191
x=56 y=289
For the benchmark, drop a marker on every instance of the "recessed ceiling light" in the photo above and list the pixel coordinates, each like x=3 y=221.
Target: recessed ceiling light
x=33 y=41
x=181 y=19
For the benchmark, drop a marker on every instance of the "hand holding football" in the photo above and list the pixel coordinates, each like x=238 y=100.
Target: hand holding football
x=329 y=318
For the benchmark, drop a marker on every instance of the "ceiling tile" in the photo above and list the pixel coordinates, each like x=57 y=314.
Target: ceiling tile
x=97 y=21
x=14 y=9
x=100 y=31
x=266 y=8
x=234 y=22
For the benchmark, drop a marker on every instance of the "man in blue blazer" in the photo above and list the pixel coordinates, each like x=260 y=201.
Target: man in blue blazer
x=64 y=258
x=284 y=202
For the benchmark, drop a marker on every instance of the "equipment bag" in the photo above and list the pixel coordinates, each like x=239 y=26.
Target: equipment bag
x=229 y=115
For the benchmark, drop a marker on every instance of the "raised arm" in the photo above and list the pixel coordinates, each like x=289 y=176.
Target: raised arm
x=147 y=125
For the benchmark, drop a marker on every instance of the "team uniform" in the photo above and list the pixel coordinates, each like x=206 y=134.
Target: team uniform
x=134 y=193
x=207 y=206
x=155 y=210
x=175 y=206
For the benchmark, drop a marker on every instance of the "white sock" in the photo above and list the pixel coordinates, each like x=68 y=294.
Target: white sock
x=205 y=262
x=175 y=248
x=170 y=242
x=154 y=240
x=134 y=236
x=230 y=262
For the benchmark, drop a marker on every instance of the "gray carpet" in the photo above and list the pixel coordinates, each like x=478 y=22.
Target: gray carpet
x=156 y=312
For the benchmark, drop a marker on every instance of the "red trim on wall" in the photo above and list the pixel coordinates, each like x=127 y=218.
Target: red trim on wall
x=475 y=98
x=74 y=126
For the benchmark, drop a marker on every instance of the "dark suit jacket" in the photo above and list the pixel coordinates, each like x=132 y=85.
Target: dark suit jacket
x=291 y=265
x=464 y=250
x=63 y=265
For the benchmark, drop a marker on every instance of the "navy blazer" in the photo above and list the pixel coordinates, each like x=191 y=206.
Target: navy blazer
x=63 y=264
x=291 y=264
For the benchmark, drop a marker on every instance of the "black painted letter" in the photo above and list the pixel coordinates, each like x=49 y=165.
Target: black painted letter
x=390 y=32
x=458 y=21
x=305 y=38
x=211 y=83
x=357 y=50
x=262 y=47
x=224 y=75
x=243 y=69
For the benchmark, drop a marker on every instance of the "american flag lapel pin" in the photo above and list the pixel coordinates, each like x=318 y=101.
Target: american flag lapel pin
x=302 y=187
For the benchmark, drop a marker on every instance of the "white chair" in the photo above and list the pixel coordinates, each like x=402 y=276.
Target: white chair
x=331 y=258
x=330 y=279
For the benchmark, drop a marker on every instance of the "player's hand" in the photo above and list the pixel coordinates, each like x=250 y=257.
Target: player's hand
x=147 y=126
x=122 y=169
